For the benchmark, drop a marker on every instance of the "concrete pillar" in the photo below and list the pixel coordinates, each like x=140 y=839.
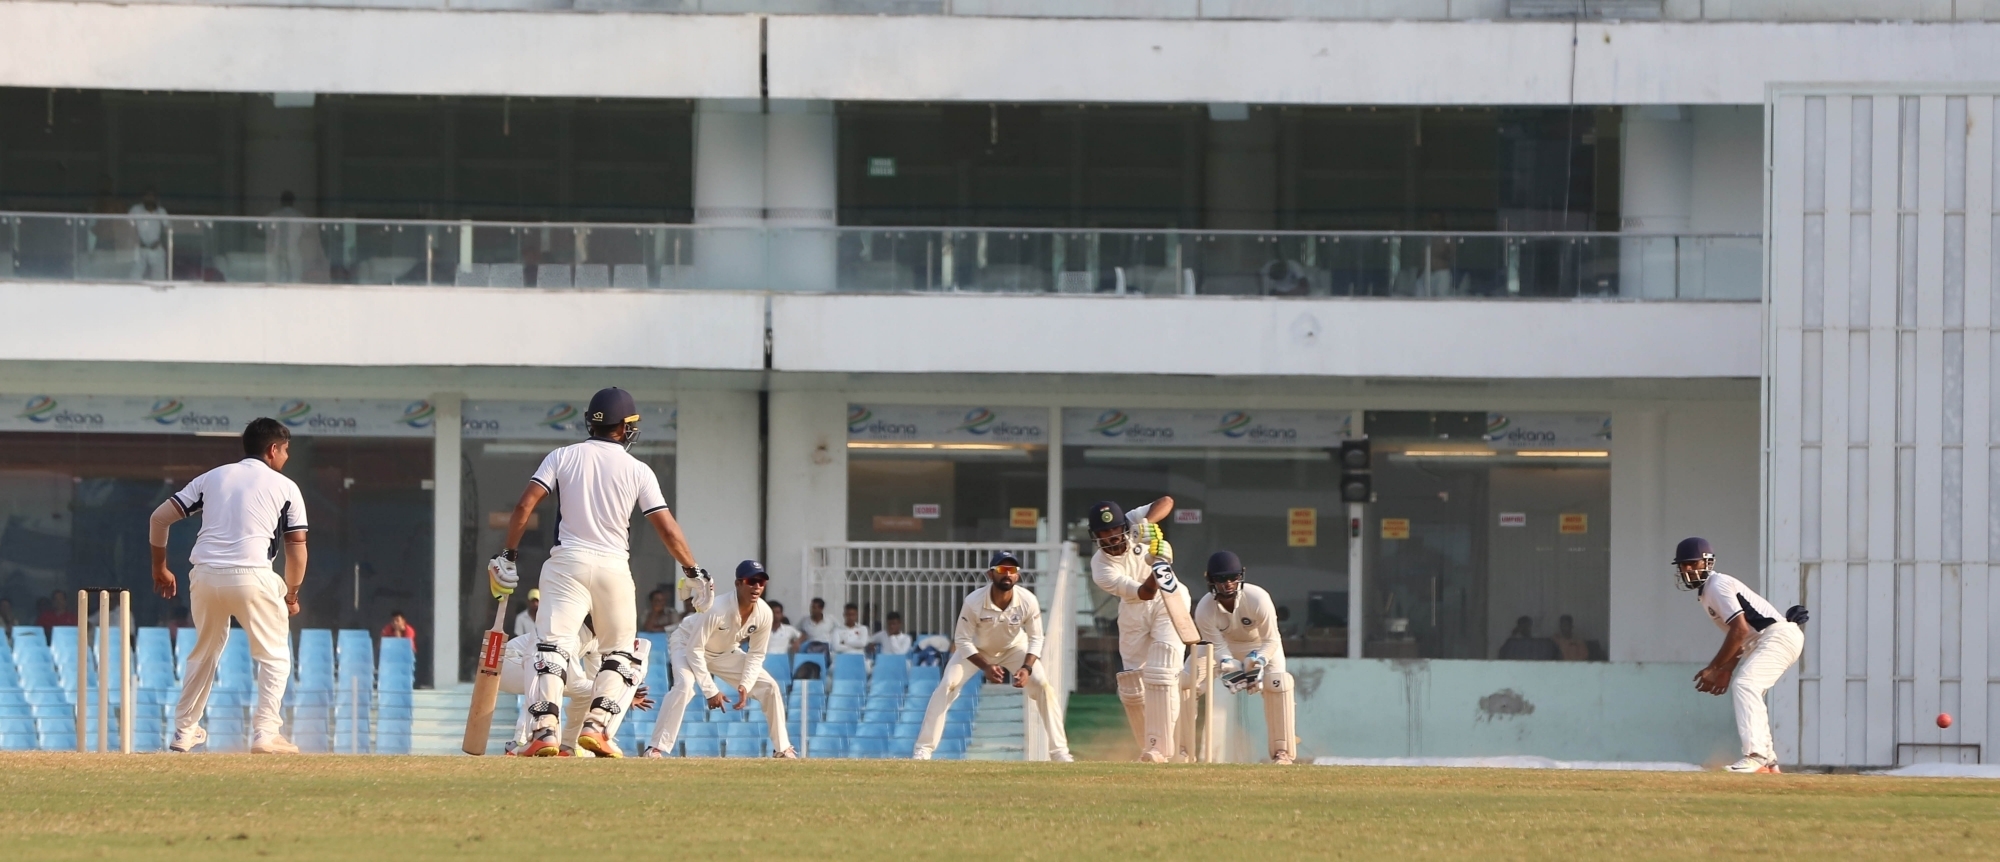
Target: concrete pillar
x=801 y=187
x=729 y=194
x=280 y=153
x=1657 y=184
x=446 y=497
x=716 y=488
x=806 y=486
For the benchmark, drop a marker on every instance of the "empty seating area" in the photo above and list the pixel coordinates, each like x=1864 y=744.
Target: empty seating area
x=337 y=701
x=848 y=710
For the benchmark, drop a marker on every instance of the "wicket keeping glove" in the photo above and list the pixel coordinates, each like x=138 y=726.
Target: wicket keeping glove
x=502 y=575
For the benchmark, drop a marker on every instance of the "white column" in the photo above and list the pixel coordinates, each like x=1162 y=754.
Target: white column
x=715 y=480
x=1656 y=196
x=800 y=190
x=729 y=193
x=445 y=517
x=806 y=485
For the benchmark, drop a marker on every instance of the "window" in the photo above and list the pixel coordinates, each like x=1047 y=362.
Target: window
x=946 y=474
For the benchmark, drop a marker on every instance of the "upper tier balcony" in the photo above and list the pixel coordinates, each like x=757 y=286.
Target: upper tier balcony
x=98 y=249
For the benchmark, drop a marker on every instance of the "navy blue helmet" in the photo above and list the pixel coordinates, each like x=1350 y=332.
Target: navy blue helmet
x=1694 y=549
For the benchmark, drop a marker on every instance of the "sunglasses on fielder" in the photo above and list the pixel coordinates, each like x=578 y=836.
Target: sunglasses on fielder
x=1007 y=570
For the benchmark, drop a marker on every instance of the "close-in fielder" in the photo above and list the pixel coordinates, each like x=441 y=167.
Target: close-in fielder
x=517 y=676
x=1757 y=647
x=1242 y=618
x=706 y=647
x=999 y=635
x=1148 y=645
x=597 y=483
x=248 y=509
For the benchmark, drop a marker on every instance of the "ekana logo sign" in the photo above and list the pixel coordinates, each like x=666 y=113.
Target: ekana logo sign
x=561 y=417
x=861 y=420
x=1240 y=425
x=299 y=414
x=419 y=414
x=43 y=410
x=984 y=422
x=1114 y=423
x=172 y=412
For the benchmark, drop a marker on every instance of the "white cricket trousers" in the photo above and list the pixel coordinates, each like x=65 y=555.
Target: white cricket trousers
x=255 y=596
x=960 y=670
x=1774 y=651
x=1142 y=626
x=734 y=668
x=576 y=584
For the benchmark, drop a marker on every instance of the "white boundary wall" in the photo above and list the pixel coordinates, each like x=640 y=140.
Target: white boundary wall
x=1879 y=427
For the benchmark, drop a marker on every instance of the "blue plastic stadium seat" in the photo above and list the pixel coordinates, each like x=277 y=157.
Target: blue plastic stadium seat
x=884 y=701
x=735 y=746
x=701 y=747
x=927 y=673
x=30 y=632
x=779 y=666
x=842 y=716
x=868 y=747
x=843 y=701
x=153 y=660
x=847 y=666
x=827 y=745
x=891 y=668
x=183 y=647
x=887 y=716
x=701 y=730
x=315 y=663
x=906 y=728
x=872 y=730
x=855 y=687
x=809 y=658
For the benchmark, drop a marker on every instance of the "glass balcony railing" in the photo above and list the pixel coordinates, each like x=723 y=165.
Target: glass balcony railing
x=111 y=248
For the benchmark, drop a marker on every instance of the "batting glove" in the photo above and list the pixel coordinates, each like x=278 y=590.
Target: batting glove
x=502 y=575
x=1164 y=571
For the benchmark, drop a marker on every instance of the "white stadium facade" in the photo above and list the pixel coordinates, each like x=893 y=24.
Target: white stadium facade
x=1591 y=277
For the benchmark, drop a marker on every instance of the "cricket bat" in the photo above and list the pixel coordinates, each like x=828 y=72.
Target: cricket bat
x=1177 y=611
x=486 y=685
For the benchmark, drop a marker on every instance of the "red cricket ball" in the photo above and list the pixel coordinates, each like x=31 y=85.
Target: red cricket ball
x=1944 y=719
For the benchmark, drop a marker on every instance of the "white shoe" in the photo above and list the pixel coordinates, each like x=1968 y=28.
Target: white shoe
x=652 y=752
x=1061 y=755
x=273 y=744
x=787 y=754
x=187 y=738
x=1752 y=765
x=1282 y=758
x=921 y=754
x=1152 y=756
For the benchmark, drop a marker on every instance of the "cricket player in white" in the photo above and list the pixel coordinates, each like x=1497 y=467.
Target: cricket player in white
x=1758 y=646
x=597 y=484
x=1242 y=618
x=1148 y=646
x=705 y=647
x=248 y=509
x=999 y=635
x=517 y=677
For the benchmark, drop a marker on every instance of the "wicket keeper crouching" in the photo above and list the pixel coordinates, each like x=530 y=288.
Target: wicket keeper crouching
x=999 y=636
x=1242 y=618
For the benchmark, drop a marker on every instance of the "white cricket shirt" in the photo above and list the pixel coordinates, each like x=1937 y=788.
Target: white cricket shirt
x=1725 y=598
x=719 y=630
x=988 y=629
x=852 y=638
x=597 y=484
x=1252 y=626
x=246 y=509
x=888 y=644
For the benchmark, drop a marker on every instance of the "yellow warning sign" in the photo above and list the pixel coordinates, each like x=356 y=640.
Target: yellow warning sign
x=1023 y=519
x=1302 y=528
x=1395 y=528
x=1573 y=522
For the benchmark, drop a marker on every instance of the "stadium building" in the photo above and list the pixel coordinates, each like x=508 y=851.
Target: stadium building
x=1590 y=275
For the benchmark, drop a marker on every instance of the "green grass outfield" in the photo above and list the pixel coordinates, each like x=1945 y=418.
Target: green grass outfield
x=63 y=806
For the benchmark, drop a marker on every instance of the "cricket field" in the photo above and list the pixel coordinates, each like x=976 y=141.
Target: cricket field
x=68 y=806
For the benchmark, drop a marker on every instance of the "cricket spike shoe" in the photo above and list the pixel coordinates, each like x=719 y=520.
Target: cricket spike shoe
x=546 y=742
x=652 y=752
x=595 y=740
x=1753 y=765
x=787 y=754
x=186 y=739
x=1282 y=758
x=273 y=744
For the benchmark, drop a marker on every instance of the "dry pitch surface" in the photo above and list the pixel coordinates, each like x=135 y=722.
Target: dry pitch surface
x=62 y=806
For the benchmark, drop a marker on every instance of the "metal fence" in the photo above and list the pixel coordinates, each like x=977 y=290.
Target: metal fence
x=925 y=582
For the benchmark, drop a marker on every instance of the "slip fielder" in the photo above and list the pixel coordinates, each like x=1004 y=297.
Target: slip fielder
x=1243 y=618
x=705 y=646
x=999 y=636
x=1758 y=646
x=1149 y=646
x=597 y=484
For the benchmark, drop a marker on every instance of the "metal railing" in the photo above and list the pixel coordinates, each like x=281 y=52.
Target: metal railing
x=110 y=248
x=925 y=582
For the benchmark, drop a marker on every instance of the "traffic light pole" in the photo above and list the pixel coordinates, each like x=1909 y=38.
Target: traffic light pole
x=1355 y=625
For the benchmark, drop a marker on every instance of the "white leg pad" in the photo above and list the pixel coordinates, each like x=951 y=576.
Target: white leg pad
x=1162 y=702
x=1278 y=719
x=1132 y=694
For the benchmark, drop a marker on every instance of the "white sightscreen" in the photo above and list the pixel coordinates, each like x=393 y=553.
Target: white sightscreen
x=1880 y=432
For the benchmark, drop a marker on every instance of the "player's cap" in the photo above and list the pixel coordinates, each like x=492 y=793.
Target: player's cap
x=613 y=406
x=1106 y=515
x=535 y=594
x=1003 y=558
x=1692 y=550
x=1225 y=565
x=751 y=570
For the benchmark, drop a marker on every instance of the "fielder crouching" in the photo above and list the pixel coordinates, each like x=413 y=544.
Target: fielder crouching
x=1244 y=620
x=999 y=635
x=705 y=647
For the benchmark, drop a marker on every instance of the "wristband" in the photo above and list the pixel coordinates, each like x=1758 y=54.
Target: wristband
x=511 y=555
